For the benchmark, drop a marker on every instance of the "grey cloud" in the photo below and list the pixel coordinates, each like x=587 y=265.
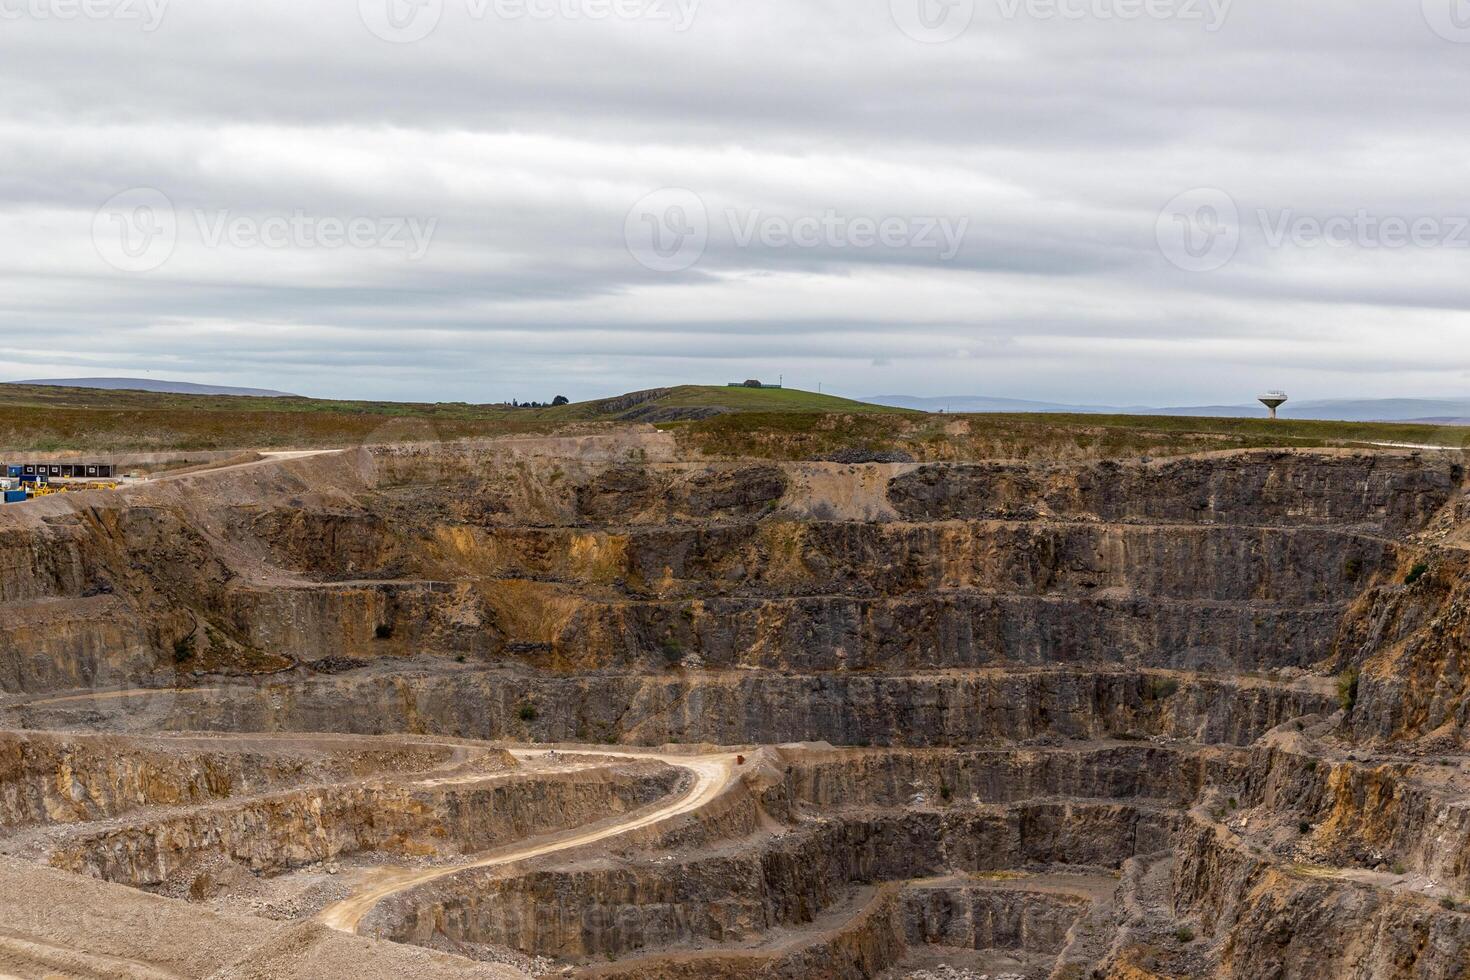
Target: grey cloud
x=528 y=143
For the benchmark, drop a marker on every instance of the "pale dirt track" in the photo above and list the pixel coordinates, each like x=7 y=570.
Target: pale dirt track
x=267 y=458
x=712 y=774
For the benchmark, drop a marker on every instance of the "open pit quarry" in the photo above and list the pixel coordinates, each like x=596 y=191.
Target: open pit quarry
x=587 y=706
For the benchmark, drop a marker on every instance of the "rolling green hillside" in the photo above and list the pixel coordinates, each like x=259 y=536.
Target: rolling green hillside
x=718 y=421
x=45 y=418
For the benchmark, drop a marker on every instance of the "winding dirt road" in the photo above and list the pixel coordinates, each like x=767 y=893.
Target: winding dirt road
x=712 y=774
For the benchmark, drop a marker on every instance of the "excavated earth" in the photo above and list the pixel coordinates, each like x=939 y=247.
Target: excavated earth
x=578 y=706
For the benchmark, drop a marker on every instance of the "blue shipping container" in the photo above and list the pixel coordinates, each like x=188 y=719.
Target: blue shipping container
x=15 y=496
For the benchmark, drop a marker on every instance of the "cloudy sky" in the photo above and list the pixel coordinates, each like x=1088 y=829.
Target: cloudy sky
x=1113 y=201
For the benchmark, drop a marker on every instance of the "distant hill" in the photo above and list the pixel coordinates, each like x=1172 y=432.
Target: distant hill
x=985 y=405
x=1385 y=409
x=690 y=402
x=150 y=384
x=980 y=404
x=1441 y=411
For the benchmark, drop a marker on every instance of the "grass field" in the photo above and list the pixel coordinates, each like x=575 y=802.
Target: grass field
x=1060 y=437
x=778 y=424
x=51 y=419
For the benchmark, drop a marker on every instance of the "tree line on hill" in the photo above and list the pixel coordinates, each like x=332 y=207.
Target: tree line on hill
x=558 y=400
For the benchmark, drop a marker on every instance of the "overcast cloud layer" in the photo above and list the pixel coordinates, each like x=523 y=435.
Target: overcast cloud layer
x=1120 y=201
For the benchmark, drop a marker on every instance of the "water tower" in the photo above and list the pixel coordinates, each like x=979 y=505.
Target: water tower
x=1274 y=400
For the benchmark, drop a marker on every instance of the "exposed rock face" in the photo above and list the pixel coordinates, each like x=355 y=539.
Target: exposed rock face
x=1391 y=493
x=1412 y=641
x=1210 y=562
x=840 y=779
x=1275 y=923
x=862 y=945
x=552 y=627
x=47 y=779
x=734 y=709
x=285 y=830
x=1242 y=562
x=984 y=918
x=324 y=545
x=600 y=908
x=1201 y=717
